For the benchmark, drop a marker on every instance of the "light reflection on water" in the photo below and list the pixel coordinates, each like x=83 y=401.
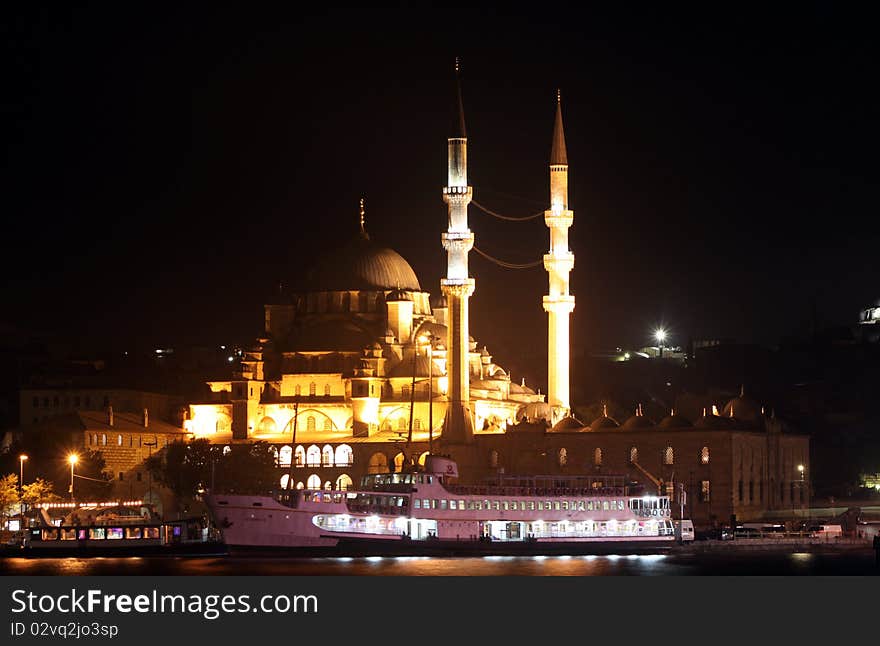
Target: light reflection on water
x=737 y=564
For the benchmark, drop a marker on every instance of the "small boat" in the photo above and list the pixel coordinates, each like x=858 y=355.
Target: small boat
x=424 y=513
x=114 y=531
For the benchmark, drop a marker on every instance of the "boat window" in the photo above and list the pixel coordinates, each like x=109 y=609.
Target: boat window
x=495 y=505
x=540 y=505
x=581 y=505
x=442 y=504
x=531 y=505
x=556 y=505
x=604 y=505
x=504 y=506
x=565 y=505
x=417 y=504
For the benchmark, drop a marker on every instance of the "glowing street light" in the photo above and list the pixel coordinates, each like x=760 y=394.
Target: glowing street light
x=21 y=460
x=73 y=458
x=660 y=335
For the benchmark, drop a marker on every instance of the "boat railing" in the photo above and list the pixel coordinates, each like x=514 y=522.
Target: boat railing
x=535 y=492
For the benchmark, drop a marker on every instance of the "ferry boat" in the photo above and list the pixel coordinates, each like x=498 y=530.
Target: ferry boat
x=423 y=512
x=113 y=531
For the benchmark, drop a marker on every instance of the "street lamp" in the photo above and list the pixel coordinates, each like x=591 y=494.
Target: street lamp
x=800 y=469
x=21 y=460
x=73 y=458
x=660 y=335
x=428 y=340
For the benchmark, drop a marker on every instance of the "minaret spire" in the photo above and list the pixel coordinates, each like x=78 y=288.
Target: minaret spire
x=458 y=427
x=558 y=262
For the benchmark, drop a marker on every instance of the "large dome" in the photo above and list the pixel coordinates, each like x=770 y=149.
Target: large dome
x=362 y=265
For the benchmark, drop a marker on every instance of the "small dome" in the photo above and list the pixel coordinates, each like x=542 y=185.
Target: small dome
x=675 y=421
x=637 y=421
x=743 y=408
x=438 y=301
x=603 y=422
x=567 y=424
x=398 y=295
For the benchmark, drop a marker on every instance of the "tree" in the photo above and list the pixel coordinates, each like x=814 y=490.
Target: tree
x=8 y=496
x=38 y=491
x=184 y=468
x=247 y=468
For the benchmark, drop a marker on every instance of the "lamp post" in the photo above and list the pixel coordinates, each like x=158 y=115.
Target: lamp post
x=73 y=458
x=800 y=469
x=660 y=335
x=21 y=461
x=149 y=495
x=428 y=340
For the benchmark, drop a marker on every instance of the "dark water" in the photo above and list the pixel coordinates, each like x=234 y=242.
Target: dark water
x=743 y=564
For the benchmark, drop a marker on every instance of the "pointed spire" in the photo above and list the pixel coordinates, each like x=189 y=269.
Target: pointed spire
x=457 y=129
x=364 y=234
x=604 y=410
x=558 y=154
x=742 y=390
x=672 y=412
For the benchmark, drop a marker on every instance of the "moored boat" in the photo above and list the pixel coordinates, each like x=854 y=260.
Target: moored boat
x=424 y=512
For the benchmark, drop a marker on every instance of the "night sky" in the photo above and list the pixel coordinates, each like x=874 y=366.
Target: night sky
x=166 y=168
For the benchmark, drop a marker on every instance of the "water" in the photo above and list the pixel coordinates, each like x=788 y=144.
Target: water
x=742 y=564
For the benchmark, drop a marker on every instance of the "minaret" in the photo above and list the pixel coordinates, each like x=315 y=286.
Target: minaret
x=558 y=262
x=458 y=427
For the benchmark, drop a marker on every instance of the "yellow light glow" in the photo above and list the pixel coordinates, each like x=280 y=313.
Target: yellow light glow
x=660 y=335
x=73 y=458
x=22 y=458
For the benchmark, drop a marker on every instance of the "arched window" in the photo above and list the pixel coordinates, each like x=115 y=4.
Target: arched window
x=224 y=423
x=634 y=454
x=327 y=456
x=227 y=450
x=299 y=455
x=422 y=458
x=310 y=423
x=313 y=457
x=285 y=479
x=493 y=458
x=119 y=440
x=597 y=457
x=404 y=392
x=297 y=390
x=300 y=485
x=401 y=423
x=312 y=389
x=344 y=456
x=328 y=425
x=104 y=439
x=668 y=456
x=267 y=425
x=326 y=390
x=378 y=463
x=563 y=457
x=314 y=482
x=284 y=456
x=274 y=451
x=399 y=461
x=704 y=455
x=343 y=482
x=417 y=424
x=386 y=425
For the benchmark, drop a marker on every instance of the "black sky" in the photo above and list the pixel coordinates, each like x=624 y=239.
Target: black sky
x=165 y=168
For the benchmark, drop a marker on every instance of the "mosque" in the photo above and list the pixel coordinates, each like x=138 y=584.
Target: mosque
x=367 y=371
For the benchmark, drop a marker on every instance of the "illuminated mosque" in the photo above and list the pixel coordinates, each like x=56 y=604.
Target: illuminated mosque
x=365 y=372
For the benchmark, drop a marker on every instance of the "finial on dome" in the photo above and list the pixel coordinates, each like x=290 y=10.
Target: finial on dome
x=604 y=410
x=714 y=410
x=742 y=390
x=523 y=382
x=731 y=411
x=558 y=95
x=672 y=412
x=704 y=411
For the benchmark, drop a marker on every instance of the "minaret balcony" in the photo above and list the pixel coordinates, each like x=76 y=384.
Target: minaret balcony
x=560 y=263
x=559 y=219
x=458 y=190
x=561 y=304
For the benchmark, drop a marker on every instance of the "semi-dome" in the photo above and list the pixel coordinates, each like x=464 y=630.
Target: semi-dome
x=712 y=422
x=398 y=295
x=438 y=301
x=362 y=265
